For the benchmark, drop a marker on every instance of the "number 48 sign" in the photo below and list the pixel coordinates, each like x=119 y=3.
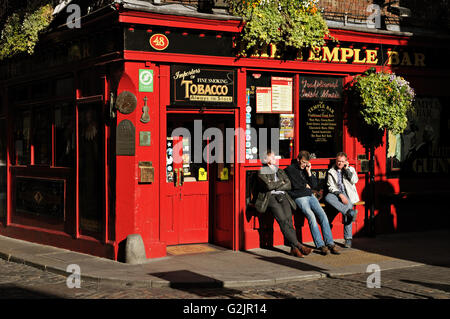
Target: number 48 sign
x=159 y=42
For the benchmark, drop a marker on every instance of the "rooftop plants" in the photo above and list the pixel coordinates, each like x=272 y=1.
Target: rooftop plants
x=287 y=24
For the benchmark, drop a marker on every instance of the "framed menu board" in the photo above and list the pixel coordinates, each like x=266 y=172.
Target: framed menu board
x=263 y=100
x=282 y=94
x=277 y=98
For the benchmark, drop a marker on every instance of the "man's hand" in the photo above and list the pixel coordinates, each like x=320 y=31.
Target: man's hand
x=343 y=199
x=308 y=168
x=307 y=186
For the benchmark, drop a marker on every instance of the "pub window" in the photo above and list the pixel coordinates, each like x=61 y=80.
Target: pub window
x=64 y=87
x=2 y=169
x=423 y=148
x=90 y=167
x=22 y=133
x=91 y=83
x=269 y=114
x=321 y=121
x=42 y=136
x=34 y=129
x=64 y=135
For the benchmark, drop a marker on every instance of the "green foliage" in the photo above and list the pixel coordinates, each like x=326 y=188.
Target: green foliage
x=21 y=30
x=385 y=100
x=288 y=24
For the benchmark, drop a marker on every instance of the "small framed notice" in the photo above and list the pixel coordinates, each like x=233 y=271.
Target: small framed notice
x=263 y=100
x=282 y=94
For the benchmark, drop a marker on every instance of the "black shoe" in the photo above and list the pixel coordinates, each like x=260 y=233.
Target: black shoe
x=333 y=250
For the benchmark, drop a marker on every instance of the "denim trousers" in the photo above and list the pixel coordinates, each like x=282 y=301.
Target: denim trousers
x=310 y=206
x=334 y=201
x=283 y=215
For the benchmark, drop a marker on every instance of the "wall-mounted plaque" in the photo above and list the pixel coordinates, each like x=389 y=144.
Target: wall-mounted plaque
x=125 y=139
x=146 y=173
x=144 y=138
x=126 y=102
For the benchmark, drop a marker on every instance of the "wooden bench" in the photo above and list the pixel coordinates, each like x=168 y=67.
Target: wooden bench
x=354 y=205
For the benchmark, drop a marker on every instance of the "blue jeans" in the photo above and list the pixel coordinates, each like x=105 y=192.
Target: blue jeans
x=334 y=201
x=310 y=206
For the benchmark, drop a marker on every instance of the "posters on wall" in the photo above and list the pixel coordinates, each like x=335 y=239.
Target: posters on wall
x=277 y=98
x=286 y=126
x=263 y=100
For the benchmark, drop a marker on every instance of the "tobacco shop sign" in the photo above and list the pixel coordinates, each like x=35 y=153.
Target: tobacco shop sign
x=195 y=85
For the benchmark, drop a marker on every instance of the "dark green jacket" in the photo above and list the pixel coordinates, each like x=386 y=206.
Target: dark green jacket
x=267 y=183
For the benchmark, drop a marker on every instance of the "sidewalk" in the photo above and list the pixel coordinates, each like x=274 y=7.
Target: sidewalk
x=226 y=268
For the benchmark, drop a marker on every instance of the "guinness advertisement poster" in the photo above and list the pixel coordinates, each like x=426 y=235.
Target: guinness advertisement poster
x=193 y=85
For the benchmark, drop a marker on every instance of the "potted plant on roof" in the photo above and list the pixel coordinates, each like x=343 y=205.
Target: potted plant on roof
x=382 y=102
x=290 y=25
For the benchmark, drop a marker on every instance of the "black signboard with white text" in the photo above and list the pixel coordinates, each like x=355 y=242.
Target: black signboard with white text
x=193 y=85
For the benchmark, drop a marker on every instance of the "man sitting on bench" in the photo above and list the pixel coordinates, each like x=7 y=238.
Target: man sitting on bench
x=302 y=182
x=342 y=194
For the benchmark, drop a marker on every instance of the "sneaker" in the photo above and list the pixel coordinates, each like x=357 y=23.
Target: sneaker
x=323 y=250
x=348 y=243
x=333 y=250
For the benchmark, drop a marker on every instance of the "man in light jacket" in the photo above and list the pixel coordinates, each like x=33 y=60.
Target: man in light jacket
x=342 y=194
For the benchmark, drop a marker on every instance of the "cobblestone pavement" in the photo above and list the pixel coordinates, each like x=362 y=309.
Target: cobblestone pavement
x=420 y=282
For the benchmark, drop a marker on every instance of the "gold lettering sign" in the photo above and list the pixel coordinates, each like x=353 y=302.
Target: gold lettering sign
x=353 y=55
x=192 y=85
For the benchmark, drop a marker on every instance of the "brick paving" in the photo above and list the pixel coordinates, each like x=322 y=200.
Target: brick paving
x=419 y=282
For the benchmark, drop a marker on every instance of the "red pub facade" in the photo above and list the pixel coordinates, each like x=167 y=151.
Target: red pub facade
x=92 y=121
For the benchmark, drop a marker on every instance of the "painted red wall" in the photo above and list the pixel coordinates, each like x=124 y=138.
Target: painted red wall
x=137 y=205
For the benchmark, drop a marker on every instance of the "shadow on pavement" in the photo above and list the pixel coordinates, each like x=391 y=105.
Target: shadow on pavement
x=443 y=287
x=191 y=282
x=14 y=292
x=429 y=248
x=295 y=264
x=188 y=279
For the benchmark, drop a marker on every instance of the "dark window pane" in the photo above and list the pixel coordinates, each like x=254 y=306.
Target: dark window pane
x=42 y=136
x=22 y=133
x=64 y=135
x=2 y=169
x=64 y=87
x=90 y=168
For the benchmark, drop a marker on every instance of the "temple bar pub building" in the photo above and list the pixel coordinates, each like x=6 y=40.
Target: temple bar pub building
x=91 y=122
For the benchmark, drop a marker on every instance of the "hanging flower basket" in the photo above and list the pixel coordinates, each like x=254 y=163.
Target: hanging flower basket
x=287 y=24
x=385 y=99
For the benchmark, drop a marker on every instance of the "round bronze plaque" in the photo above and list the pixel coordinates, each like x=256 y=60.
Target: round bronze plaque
x=126 y=102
